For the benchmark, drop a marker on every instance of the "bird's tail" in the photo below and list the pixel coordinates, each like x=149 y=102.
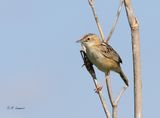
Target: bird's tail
x=124 y=78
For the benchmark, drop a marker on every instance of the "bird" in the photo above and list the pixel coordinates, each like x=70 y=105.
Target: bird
x=102 y=55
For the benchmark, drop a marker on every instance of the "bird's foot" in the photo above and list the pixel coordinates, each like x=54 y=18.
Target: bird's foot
x=98 y=88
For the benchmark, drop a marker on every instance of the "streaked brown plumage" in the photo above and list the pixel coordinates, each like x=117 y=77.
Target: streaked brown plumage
x=102 y=55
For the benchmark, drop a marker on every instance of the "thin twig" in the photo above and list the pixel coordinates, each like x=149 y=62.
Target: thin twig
x=100 y=94
x=91 y=3
x=109 y=88
x=120 y=94
x=90 y=69
x=116 y=20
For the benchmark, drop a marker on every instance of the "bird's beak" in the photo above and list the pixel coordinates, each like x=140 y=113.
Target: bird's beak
x=79 y=41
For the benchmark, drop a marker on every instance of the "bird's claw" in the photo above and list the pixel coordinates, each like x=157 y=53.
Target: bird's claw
x=98 y=88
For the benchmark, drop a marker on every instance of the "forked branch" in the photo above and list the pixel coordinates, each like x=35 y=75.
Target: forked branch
x=115 y=102
x=91 y=3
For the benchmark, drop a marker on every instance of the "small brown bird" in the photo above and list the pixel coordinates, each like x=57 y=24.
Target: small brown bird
x=102 y=55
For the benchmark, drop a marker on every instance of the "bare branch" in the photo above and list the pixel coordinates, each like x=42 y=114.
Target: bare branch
x=114 y=103
x=100 y=94
x=120 y=95
x=109 y=89
x=116 y=20
x=114 y=111
x=91 y=3
x=134 y=25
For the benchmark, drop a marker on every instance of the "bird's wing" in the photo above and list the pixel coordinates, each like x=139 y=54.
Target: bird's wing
x=110 y=53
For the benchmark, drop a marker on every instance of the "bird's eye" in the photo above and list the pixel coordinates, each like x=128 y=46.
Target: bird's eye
x=88 y=39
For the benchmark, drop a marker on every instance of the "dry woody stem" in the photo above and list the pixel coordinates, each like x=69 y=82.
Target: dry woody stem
x=116 y=20
x=134 y=26
x=113 y=102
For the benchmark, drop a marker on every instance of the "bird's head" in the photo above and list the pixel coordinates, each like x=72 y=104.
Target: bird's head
x=89 y=40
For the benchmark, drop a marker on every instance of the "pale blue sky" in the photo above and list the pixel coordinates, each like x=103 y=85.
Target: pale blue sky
x=40 y=63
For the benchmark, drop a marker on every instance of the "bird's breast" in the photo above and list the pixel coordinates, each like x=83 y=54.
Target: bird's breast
x=98 y=59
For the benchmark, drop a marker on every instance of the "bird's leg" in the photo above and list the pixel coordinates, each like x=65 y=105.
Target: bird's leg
x=107 y=75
